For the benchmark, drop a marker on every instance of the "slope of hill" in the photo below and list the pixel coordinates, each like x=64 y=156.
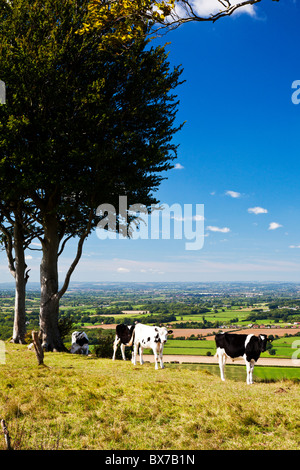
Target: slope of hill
x=76 y=402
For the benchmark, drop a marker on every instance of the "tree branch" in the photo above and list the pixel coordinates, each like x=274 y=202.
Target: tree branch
x=64 y=244
x=176 y=18
x=77 y=257
x=8 y=243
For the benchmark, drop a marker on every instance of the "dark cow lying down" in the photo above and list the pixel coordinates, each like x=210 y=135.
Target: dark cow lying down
x=124 y=334
x=80 y=343
x=249 y=347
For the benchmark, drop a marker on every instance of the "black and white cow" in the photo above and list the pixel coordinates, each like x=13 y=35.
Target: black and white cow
x=153 y=337
x=249 y=347
x=80 y=343
x=124 y=334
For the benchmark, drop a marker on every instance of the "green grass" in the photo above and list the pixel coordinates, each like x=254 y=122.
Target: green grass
x=77 y=402
x=277 y=373
x=237 y=372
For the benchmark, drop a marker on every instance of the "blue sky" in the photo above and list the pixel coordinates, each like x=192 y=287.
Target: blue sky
x=239 y=150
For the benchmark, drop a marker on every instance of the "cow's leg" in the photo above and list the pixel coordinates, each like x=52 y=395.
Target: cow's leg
x=155 y=357
x=141 y=356
x=135 y=348
x=161 y=349
x=116 y=342
x=222 y=362
x=123 y=351
x=249 y=369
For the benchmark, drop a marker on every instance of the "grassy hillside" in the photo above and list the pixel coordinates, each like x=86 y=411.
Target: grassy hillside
x=88 y=403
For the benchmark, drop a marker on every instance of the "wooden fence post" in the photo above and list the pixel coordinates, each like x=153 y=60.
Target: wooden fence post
x=6 y=435
x=38 y=347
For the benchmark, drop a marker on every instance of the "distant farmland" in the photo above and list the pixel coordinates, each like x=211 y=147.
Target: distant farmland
x=210 y=332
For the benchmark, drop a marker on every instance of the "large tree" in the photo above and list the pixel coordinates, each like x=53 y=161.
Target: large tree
x=89 y=117
x=81 y=126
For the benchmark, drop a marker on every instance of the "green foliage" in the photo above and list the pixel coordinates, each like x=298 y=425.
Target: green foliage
x=65 y=326
x=275 y=315
x=157 y=319
x=104 y=346
x=80 y=124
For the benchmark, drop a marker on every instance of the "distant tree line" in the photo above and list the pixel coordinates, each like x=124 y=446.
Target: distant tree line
x=284 y=315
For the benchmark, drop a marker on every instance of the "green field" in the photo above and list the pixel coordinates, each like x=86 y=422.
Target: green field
x=282 y=346
x=190 y=347
x=86 y=403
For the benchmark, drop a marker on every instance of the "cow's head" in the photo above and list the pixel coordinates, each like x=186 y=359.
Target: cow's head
x=163 y=334
x=263 y=342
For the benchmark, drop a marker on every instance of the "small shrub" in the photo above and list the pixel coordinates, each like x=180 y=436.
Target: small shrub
x=104 y=346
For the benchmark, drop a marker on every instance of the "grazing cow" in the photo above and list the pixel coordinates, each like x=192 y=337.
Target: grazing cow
x=248 y=347
x=80 y=343
x=124 y=334
x=153 y=337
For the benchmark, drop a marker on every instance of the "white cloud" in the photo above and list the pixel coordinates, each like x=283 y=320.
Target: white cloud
x=218 y=229
x=208 y=7
x=257 y=210
x=123 y=270
x=28 y=257
x=274 y=226
x=294 y=246
x=178 y=166
x=233 y=194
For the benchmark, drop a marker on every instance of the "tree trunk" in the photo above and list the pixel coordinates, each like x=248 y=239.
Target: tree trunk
x=50 y=295
x=19 y=329
x=49 y=307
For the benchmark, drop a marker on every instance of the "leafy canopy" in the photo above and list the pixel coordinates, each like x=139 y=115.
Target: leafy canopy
x=120 y=22
x=81 y=125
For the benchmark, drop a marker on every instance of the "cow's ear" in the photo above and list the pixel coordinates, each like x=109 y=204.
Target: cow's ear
x=170 y=331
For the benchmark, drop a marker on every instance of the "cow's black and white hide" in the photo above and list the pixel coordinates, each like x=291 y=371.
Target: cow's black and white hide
x=249 y=347
x=124 y=335
x=80 y=343
x=152 y=337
